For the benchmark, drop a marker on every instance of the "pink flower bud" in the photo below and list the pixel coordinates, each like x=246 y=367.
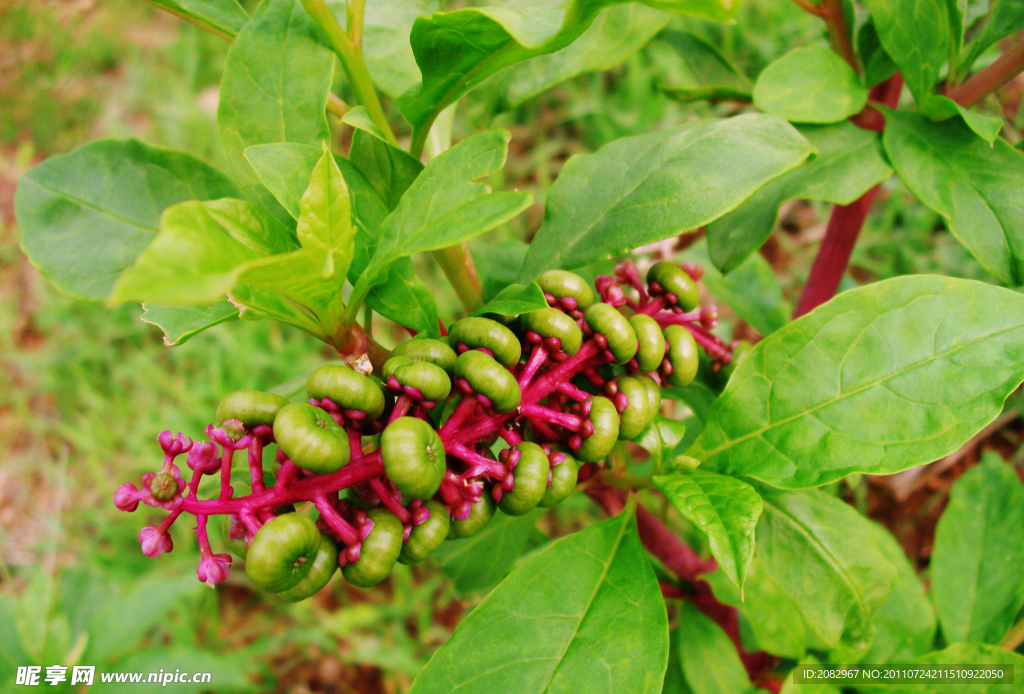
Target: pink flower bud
x=174 y=444
x=214 y=569
x=154 y=542
x=127 y=497
x=203 y=458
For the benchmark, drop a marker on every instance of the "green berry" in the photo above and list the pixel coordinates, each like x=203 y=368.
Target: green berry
x=682 y=356
x=437 y=352
x=311 y=438
x=650 y=342
x=427 y=536
x=549 y=322
x=605 y=419
x=476 y=332
x=349 y=389
x=251 y=407
x=480 y=514
x=606 y=320
x=563 y=481
x=283 y=552
x=674 y=280
x=562 y=284
x=529 y=480
x=490 y=379
x=379 y=550
x=414 y=457
x=324 y=565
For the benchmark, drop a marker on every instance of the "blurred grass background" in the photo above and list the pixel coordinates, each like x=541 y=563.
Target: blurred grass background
x=84 y=390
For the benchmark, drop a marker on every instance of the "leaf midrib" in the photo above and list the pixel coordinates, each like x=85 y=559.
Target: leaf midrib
x=832 y=401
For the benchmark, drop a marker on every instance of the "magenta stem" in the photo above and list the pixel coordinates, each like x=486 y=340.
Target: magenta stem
x=577 y=394
x=225 y=472
x=465 y=407
x=402 y=405
x=388 y=499
x=204 y=540
x=537 y=358
x=562 y=419
x=355 y=444
x=476 y=461
x=334 y=520
x=256 y=464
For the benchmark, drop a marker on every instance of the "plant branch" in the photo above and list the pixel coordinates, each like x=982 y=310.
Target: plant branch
x=356 y=10
x=838 y=31
x=1015 y=638
x=352 y=62
x=193 y=20
x=458 y=267
x=983 y=83
x=335 y=105
x=810 y=7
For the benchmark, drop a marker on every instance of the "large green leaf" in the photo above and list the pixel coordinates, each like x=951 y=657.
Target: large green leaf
x=498 y=264
x=824 y=557
x=724 y=508
x=964 y=654
x=975 y=186
x=660 y=439
x=585 y=613
x=618 y=32
x=325 y=228
x=939 y=107
x=707 y=74
x=458 y=50
x=84 y=216
x=810 y=85
x=274 y=89
x=646 y=188
x=849 y=163
x=478 y=562
x=445 y=205
x=905 y=623
x=389 y=169
x=977 y=564
x=402 y=297
x=790 y=687
x=879 y=379
x=192 y=261
x=776 y=622
x=223 y=17
x=752 y=290
x=181 y=323
x=916 y=34
x=707 y=655
x=878 y=65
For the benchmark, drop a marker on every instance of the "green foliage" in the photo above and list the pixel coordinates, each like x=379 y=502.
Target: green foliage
x=973 y=185
x=810 y=85
x=86 y=215
x=223 y=17
x=849 y=162
x=478 y=562
x=706 y=74
x=725 y=508
x=548 y=624
x=708 y=659
x=815 y=400
x=514 y=300
x=646 y=188
x=977 y=565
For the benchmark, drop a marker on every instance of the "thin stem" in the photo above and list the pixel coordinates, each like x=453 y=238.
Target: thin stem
x=335 y=105
x=983 y=83
x=356 y=10
x=352 y=62
x=192 y=20
x=839 y=31
x=810 y=7
x=458 y=267
x=1014 y=638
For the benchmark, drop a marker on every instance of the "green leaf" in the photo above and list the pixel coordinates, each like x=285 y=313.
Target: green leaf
x=968 y=654
x=586 y=610
x=752 y=290
x=84 y=216
x=708 y=75
x=325 y=226
x=940 y=107
x=642 y=189
x=724 y=508
x=498 y=264
x=849 y=163
x=514 y=300
x=916 y=34
x=775 y=620
x=402 y=297
x=810 y=85
x=905 y=623
x=274 y=89
x=660 y=439
x=222 y=17
x=973 y=185
x=256 y=303
x=977 y=564
x=790 y=687
x=878 y=65
x=1004 y=17
x=228 y=673
x=389 y=169
x=617 y=33
x=252 y=226
x=458 y=50
x=824 y=557
x=710 y=662
x=192 y=261
x=446 y=205
x=479 y=562
x=181 y=323
x=878 y=380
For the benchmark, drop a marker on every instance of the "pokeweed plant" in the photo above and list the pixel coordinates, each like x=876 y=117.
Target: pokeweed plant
x=383 y=456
